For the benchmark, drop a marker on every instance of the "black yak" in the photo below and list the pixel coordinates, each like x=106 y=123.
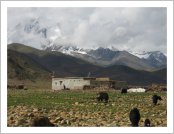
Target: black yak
x=155 y=99
x=123 y=90
x=42 y=122
x=134 y=117
x=20 y=86
x=103 y=96
x=147 y=123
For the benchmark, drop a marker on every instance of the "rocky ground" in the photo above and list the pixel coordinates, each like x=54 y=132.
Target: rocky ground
x=23 y=116
x=77 y=109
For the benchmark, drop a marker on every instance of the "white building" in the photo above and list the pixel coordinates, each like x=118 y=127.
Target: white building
x=84 y=83
x=70 y=83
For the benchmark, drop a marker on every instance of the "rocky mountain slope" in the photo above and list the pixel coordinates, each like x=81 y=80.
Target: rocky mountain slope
x=28 y=62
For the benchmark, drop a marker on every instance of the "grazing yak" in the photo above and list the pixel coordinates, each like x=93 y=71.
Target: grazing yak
x=155 y=99
x=42 y=122
x=147 y=123
x=123 y=90
x=103 y=96
x=20 y=86
x=134 y=117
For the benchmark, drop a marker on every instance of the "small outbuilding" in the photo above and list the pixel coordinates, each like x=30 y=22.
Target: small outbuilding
x=136 y=90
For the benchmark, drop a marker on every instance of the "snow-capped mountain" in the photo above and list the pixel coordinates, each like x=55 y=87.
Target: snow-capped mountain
x=68 y=49
x=160 y=57
x=146 y=55
x=50 y=38
x=157 y=59
x=112 y=56
x=154 y=58
x=98 y=53
x=33 y=33
x=142 y=54
x=102 y=53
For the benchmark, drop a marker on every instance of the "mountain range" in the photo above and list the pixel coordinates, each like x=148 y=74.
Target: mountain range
x=34 y=33
x=111 y=56
x=25 y=62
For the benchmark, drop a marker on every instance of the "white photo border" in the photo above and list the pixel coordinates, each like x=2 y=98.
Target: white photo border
x=6 y=4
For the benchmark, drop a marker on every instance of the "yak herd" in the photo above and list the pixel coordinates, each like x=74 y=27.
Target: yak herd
x=134 y=115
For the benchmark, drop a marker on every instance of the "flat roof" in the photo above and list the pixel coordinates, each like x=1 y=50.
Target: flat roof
x=89 y=78
x=74 y=78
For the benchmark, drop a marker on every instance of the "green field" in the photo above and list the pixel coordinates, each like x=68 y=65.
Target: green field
x=80 y=108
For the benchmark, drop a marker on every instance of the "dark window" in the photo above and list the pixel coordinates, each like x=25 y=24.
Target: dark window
x=61 y=82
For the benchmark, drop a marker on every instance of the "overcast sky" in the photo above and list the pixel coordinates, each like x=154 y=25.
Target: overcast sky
x=135 y=29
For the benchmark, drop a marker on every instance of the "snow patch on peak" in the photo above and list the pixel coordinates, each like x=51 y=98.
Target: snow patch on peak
x=145 y=55
x=158 y=56
x=141 y=54
x=66 y=49
x=154 y=57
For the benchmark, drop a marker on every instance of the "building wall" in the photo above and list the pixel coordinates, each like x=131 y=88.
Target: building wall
x=120 y=84
x=97 y=83
x=70 y=83
x=102 y=79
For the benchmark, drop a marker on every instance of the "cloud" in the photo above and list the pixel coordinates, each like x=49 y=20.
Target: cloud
x=136 y=29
